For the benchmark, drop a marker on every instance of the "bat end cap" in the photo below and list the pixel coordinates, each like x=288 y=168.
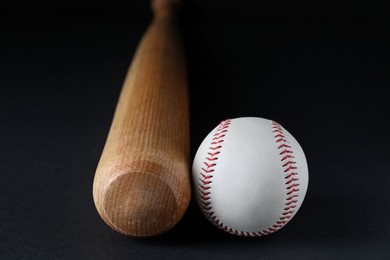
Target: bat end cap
x=140 y=204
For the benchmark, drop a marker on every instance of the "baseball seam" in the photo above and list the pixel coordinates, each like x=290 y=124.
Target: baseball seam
x=289 y=170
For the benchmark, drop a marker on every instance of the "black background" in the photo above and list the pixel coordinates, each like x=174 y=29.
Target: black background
x=319 y=68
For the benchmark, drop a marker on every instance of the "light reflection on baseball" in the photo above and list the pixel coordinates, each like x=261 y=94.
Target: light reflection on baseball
x=250 y=176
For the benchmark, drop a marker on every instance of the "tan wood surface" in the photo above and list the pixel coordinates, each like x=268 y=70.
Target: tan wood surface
x=142 y=182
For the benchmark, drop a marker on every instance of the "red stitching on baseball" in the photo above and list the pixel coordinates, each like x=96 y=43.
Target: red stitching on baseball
x=206 y=180
x=207 y=171
x=288 y=163
x=293 y=190
x=206 y=203
x=204 y=193
x=209 y=165
x=281 y=140
x=291 y=174
x=284 y=146
x=292 y=185
x=204 y=187
x=287 y=157
x=218 y=137
x=289 y=168
x=291 y=202
x=205 y=176
x=291 y=207
x=293 y=196
x=285 y=151
x=293 y=179
x=214 y=154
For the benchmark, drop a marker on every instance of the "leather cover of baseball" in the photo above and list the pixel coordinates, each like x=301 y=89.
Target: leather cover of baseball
x=250 y=176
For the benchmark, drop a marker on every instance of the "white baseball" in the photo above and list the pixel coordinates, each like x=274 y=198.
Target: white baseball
x=250 y=176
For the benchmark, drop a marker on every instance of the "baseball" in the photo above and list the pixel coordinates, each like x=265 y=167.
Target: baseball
x=250 y=176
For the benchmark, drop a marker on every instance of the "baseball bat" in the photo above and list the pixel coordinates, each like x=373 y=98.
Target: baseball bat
x=142 y=182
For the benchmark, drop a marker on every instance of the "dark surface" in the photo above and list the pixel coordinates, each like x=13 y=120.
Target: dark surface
x=320 y=70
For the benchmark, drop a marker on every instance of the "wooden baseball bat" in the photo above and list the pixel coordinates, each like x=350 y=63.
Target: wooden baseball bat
x=142 y=182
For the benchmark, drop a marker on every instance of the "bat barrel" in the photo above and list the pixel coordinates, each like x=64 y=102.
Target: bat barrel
x=141 y=203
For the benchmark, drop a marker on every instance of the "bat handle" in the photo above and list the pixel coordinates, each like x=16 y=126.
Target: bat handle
x=165 y=8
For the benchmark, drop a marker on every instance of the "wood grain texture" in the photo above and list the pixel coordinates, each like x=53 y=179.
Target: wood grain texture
x=142 y=182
